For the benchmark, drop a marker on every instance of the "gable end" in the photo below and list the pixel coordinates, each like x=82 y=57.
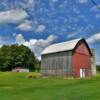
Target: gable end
x=79 y=43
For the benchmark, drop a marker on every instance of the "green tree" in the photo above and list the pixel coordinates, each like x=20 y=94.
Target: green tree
x=98 y=68
x=16 y=56
x=5 y=58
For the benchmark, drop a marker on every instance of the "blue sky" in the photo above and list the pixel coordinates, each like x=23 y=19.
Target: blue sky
x=39 y=23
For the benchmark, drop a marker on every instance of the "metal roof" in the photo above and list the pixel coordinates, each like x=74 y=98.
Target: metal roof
x=59 y=47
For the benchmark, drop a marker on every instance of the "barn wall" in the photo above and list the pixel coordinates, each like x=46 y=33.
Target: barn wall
x=81 y=60
x=58 y=64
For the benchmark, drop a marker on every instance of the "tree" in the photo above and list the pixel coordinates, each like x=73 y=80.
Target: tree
x=37 y=65
x=16 y=56
x=5 y=57
x=98 y=68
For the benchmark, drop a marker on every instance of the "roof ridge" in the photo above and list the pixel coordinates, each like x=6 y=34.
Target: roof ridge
x=65 y=42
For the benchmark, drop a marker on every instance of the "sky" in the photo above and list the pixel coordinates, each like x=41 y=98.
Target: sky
x=40 y=23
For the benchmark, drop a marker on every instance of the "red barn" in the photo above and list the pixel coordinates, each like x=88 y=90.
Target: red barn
x=68 y=59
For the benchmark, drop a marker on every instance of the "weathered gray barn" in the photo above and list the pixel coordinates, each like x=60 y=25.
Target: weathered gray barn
x=69 y=59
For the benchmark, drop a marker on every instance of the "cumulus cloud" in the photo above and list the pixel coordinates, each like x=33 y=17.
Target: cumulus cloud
x=19 y=39
x=36 y=45
x=25 y=26
x=40 y=28
x=94 y=38
x=13 y=16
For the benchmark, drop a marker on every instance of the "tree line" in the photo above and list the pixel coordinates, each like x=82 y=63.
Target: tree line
x=17 y=56
x=98 y=68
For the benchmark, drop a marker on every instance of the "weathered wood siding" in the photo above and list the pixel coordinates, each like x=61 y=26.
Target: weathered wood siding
x=58 y=64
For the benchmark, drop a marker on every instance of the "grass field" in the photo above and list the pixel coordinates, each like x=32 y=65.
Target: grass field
x=16 y=86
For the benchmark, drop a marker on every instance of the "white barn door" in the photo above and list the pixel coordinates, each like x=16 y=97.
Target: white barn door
x=82 y=73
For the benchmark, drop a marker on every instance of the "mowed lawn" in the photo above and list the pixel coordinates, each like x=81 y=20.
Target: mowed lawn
x=16 y=86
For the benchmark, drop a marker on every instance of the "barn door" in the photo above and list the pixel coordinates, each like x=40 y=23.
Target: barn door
x=82 y=73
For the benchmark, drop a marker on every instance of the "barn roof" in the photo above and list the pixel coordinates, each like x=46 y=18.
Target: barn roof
x=64 y=46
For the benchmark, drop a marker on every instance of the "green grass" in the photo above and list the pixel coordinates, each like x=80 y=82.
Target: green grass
x=16 y=86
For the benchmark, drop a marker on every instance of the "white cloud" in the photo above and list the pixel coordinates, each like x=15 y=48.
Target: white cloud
x=19 y=39
x=36 y=45
x=13 y=16
x=98 y=62
x=25 y=26
x=94 y=38
x=0 y=45
x=40 y=28
x=1 y=40
x=82 y=1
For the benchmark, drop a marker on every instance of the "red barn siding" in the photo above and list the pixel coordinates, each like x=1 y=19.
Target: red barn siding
x=81 y=59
